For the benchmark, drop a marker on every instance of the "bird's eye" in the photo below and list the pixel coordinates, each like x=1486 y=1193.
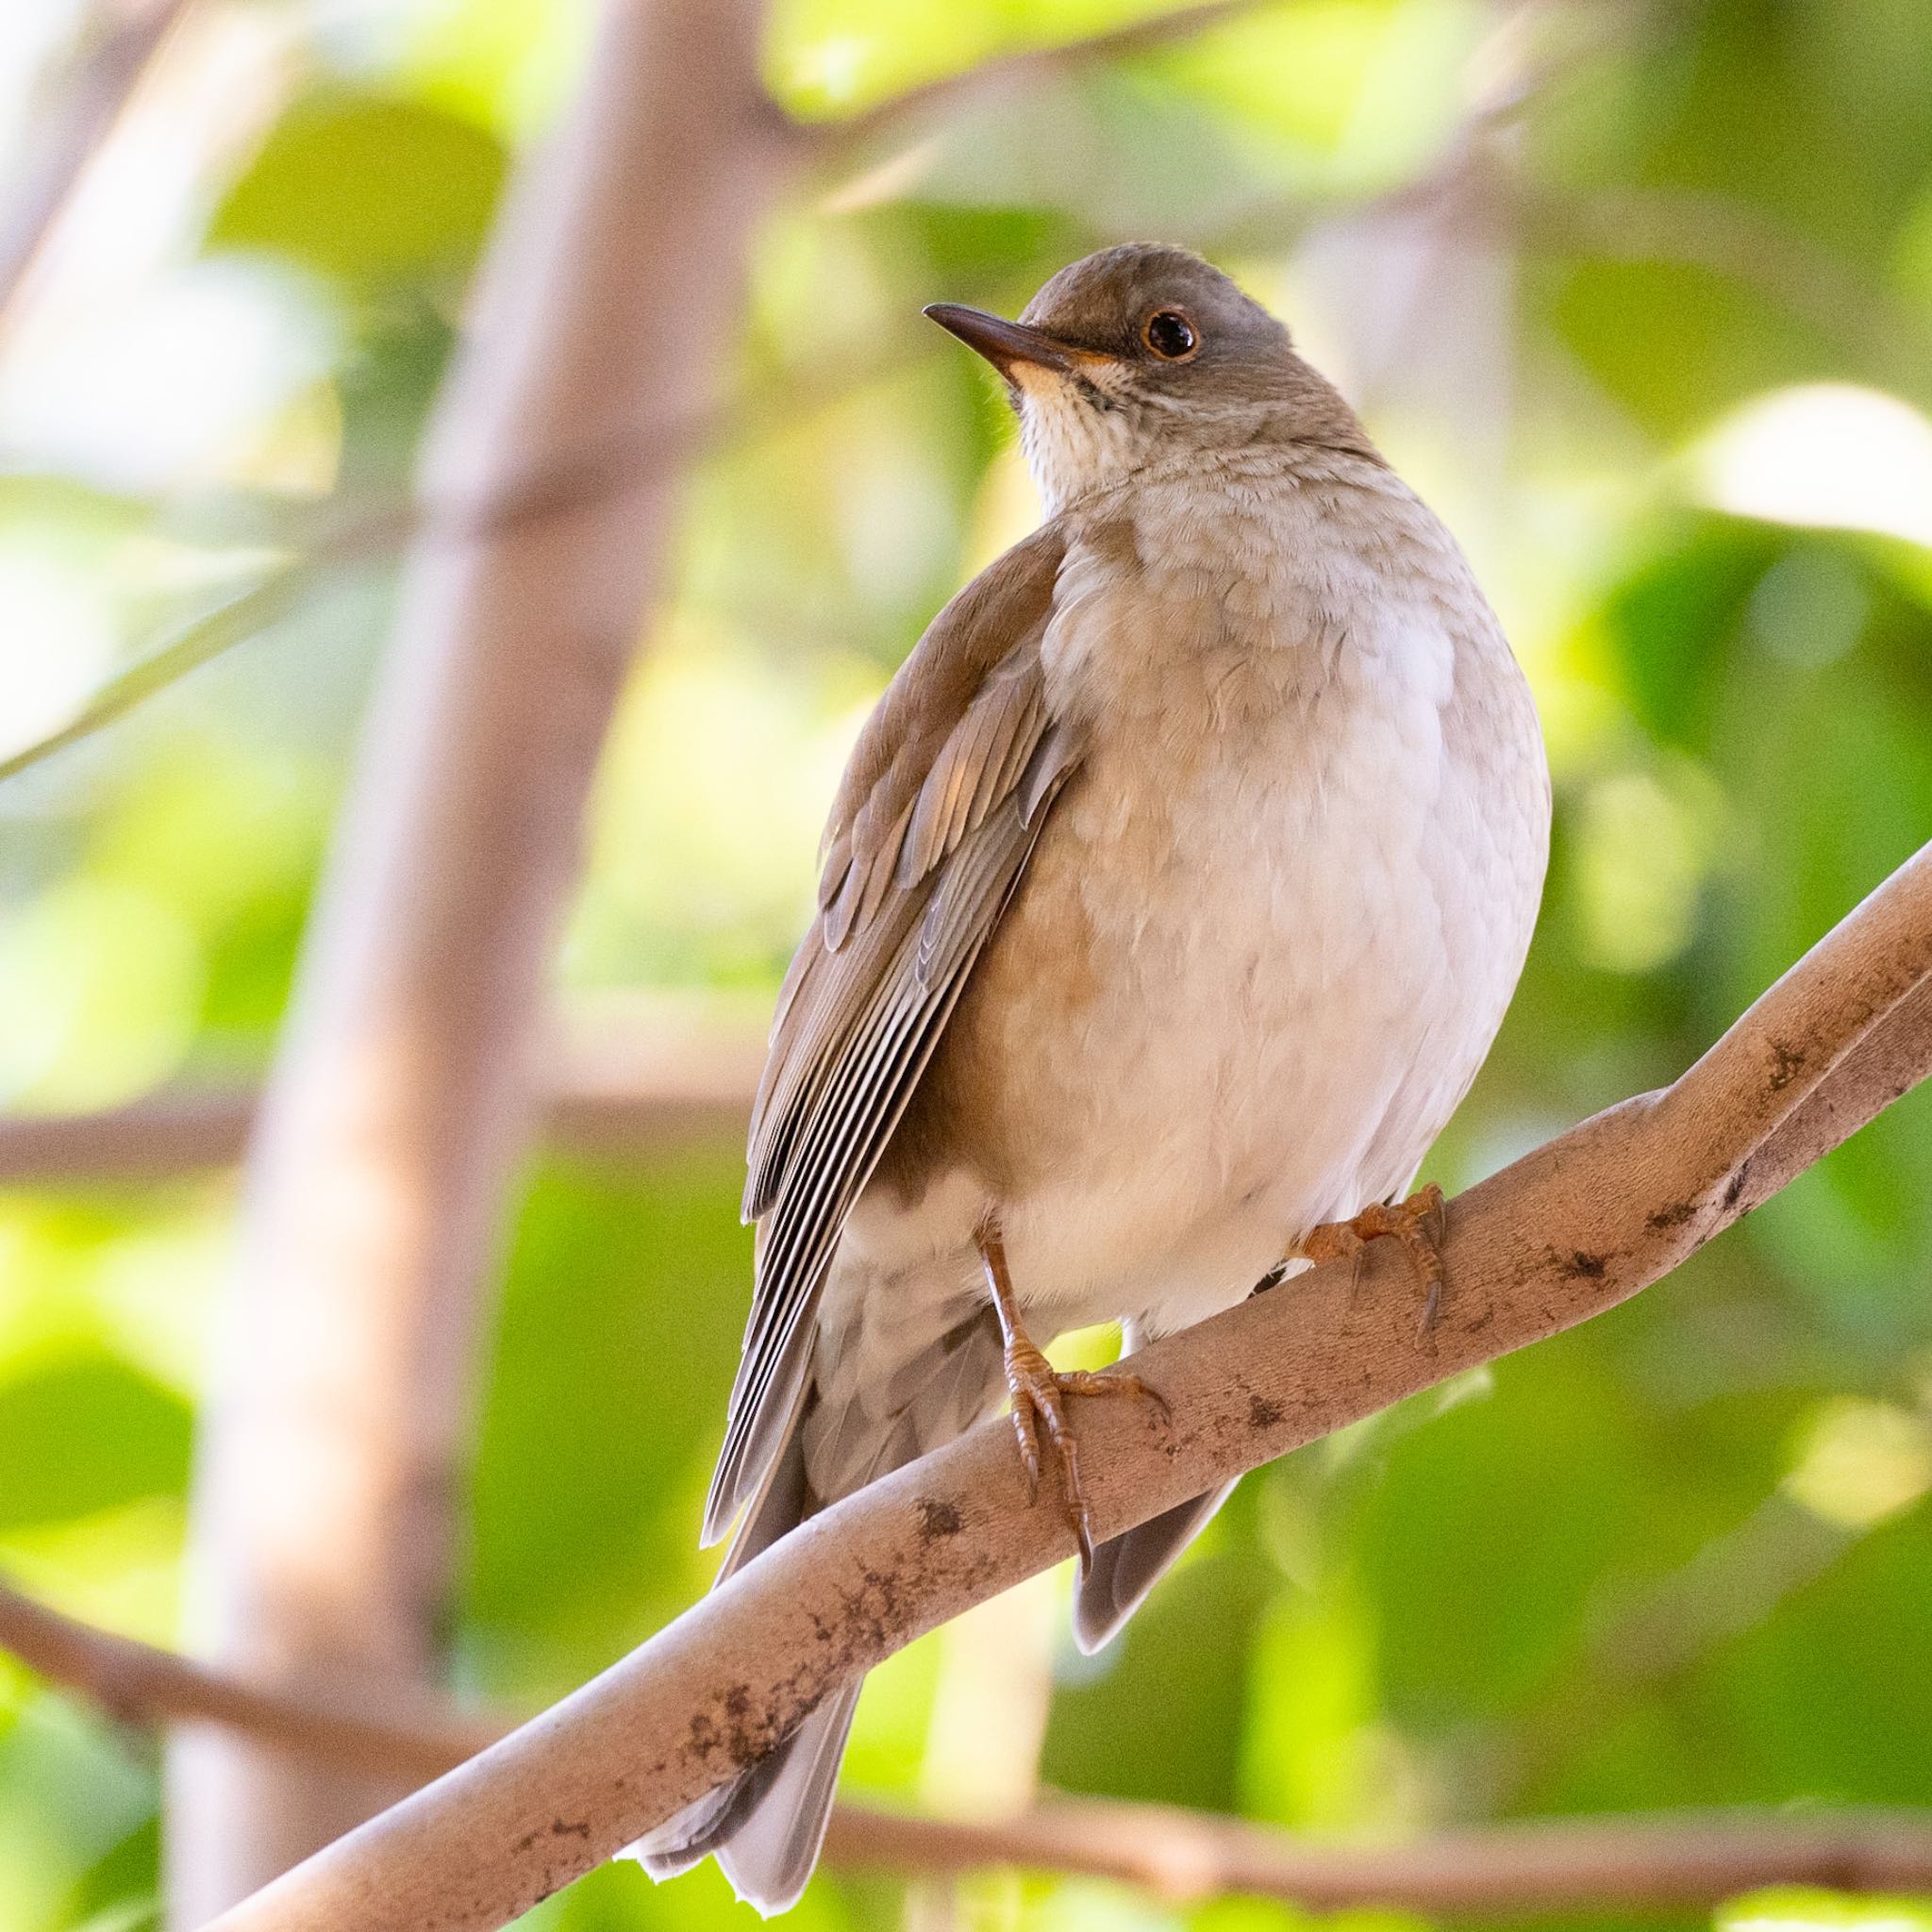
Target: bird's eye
x=1168 y=333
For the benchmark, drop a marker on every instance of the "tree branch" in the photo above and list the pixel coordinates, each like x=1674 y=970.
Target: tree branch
x=1681 y=1860
x=137 y=1682
x=1676 y=1862
x=1008 y=72
x=244 y=616
x=616 y=1084
x=189 y=1131
x=1566 y=1233
x=329 y=1456
x=128 y=39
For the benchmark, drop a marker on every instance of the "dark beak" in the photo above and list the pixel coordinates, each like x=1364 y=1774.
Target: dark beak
x=1002 y=342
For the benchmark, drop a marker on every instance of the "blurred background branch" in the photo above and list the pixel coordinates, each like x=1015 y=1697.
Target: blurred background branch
x=122 y=37
x=592 y=463
x=624 y=1079
x=331 y=1453
x=1011 y=72
x=1604 y=1866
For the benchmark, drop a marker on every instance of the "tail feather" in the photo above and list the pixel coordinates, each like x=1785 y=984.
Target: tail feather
x=688 y=1839
x=769 y=1855
x=766 y=1826
x=1126 y=1567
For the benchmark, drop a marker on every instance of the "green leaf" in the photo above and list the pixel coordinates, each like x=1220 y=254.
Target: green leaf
x=80 y=1436
x=366 y=188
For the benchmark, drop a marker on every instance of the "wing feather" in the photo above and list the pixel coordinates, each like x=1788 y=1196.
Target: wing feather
x=942 y=805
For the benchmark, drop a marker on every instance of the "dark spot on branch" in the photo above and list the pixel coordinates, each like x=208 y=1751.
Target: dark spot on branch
x=1581 y=1265
x=1734 y=1190
x=1786 y=1063
x=1675 y=1215
x=743 y=1738
x=560 y=1829
x=1262 y=1414
x=937 y=1520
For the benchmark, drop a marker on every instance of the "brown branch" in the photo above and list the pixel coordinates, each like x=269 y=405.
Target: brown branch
x=1008 y=73
x=1665 y=1863
x=614 y=1086
x=331 y=1453
x=1676 y=1861
x=1566 y=1233
x=140 y=1683
x=189 y=1131
x=100 y=89
x=1886 y=1065
x=170 y=1133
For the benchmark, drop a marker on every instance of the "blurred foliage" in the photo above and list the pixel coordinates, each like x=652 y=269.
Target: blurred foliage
x=363 y=187
x=1658 y=352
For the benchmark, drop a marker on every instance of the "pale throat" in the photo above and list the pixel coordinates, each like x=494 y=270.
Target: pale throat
x=1071 y=446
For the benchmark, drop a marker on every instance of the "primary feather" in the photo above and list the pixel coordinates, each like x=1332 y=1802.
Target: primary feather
x=940 y=808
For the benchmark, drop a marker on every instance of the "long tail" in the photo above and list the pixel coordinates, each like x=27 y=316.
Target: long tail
x=766 y=1826
x=1126 y=1567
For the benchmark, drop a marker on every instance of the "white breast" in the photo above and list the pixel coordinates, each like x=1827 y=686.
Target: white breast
x=1310 y=847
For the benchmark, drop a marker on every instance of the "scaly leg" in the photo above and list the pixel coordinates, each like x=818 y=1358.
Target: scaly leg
x=1416 y=1223
x=1039 y=1392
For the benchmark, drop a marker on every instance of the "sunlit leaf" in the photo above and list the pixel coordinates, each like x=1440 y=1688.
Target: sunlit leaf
x=360 y=186
x=87 y=1435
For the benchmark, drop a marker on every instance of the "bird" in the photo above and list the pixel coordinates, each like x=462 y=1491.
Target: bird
x=1171 y=898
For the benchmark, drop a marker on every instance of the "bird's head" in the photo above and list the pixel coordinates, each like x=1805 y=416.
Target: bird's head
x=1144 y=353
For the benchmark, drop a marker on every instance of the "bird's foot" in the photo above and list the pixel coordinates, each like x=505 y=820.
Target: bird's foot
x=1040 y=1413
x=1039 y=1392
x=1417 y=1223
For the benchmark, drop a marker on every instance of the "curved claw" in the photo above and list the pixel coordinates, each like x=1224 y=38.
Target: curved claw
x=1039 y=1395
x=1418 y=1224
x=1028 y=1430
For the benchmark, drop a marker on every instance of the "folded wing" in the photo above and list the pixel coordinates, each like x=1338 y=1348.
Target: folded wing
x=939 y=808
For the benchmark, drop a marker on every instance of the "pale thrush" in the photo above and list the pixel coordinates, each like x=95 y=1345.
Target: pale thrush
x=1171 y=900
